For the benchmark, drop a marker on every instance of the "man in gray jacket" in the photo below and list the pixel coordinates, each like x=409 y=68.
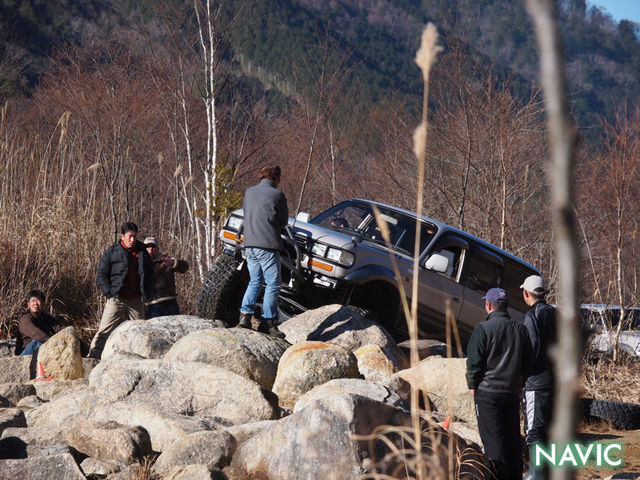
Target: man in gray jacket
x=265 y=215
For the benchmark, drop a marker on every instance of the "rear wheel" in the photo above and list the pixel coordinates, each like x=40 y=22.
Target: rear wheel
x=222 y=291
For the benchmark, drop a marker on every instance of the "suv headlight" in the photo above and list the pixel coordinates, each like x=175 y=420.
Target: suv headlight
x=234 y=222
x=335 y=255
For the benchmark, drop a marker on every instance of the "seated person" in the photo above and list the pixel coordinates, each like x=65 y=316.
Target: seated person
x=35 y=326
x=339 y=222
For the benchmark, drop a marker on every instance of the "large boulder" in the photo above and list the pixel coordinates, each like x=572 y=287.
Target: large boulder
x=61 y=466
x=46 y=390
x=343 y=386
x=152 y=338
x=248 y=353
x=11 y=418
x=375 y=364
x=340 y=325
x=309 y=364
x=211 y=448
x=68 y=406
x=12 y=393
x=60 y=355
x=440 y=377
x=17 y=369
x=106 y=441
x=7 y=348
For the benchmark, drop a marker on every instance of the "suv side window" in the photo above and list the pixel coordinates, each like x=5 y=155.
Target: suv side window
x=514 y=275
x=483 y=270
x=454 y=249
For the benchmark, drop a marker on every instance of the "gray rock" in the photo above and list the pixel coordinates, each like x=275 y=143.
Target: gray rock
x=212 y=449
x=195 y=472
x=46 y=390
x=152 y=338
x=12 y=393
x=248 y=353
x=17 y=369
x=11 y=417
x=66 y=407
x=436 y=376
x=426 y=348
x=60 y=355
x=7 y=347
x=87 y=365
x=309 y=364
x=108 y=441
x=375 y=363
x=342 y=326
x=344 y=386
x=93 y=466
x=186 y=388
x=242 y=433
x=60 y=466
x=318 y=440
x=29 y=402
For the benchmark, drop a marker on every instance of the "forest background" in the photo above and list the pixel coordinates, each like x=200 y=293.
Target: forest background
x=162 y=112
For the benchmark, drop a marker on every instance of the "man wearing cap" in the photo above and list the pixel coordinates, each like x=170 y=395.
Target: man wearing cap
x=540 y=321
x=165 y=300
x=498 y=361
x=126 y=278
x=35 y=326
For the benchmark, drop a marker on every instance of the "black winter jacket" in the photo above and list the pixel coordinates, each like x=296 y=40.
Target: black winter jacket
x=540 y=321
x=113 y=266
x=498 y=354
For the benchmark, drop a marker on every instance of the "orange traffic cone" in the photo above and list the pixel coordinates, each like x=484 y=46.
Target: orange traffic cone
x=40 y=373
x=447 y=422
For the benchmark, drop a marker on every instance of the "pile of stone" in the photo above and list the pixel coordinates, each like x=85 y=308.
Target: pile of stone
x=185 y=398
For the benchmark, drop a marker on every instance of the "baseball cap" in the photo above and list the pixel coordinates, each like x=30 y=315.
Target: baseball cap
x=151 y=241
x=534 y=284
x=496 y=295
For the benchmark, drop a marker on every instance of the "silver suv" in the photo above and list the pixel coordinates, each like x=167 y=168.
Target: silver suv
x=340 y=257
x=601 y=323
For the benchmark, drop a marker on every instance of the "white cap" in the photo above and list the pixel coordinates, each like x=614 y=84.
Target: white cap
x=534 y=284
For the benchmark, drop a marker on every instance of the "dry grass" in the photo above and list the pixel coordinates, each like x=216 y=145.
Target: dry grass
x=605 y=380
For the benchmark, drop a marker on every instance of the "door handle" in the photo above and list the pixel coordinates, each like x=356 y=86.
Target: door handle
x=456 y=299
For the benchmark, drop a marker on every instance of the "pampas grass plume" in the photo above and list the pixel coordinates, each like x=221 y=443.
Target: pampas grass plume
x=426 y=54
x=420 y=140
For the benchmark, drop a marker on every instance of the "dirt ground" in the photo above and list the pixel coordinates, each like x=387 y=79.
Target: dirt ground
x=631 y=454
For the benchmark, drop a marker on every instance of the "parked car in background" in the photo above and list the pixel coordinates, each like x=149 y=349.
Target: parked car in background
x=601 y=323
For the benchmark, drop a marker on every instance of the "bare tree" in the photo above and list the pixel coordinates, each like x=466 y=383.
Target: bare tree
x=562 y=138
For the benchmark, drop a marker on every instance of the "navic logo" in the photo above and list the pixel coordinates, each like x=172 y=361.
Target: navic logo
x=577 y=455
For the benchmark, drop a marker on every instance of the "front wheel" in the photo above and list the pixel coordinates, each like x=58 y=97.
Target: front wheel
x=222 y=291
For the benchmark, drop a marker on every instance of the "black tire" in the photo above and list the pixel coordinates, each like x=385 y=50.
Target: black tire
x=622 y=415
x=222 y=291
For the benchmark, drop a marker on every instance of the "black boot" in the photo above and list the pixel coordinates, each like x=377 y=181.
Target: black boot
x=245 y=320
x=269 y=326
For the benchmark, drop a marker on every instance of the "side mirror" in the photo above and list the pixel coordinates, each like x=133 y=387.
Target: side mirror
x=303 y=217
x=437 y=263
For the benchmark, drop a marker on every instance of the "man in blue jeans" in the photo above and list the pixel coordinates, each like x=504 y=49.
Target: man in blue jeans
x=265 y=215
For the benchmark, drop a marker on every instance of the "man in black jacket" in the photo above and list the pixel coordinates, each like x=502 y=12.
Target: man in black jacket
x=126 y=278
x=540 y=321
x=498 y=361
x=265 y=215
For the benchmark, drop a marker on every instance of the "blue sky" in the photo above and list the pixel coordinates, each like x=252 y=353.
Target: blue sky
x=620 y=9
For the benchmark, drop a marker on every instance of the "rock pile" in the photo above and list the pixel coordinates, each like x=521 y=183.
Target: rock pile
x=187 y=398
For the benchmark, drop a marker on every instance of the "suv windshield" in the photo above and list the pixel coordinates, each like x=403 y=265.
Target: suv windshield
x=354 y=217
x=592 y=316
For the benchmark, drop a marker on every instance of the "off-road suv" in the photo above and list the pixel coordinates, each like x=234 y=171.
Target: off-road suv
x=340 y=257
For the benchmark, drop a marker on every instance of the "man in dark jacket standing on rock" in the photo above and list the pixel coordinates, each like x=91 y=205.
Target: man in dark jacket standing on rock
x=540 y=321
x=165 y=300
x=498 y=361
x=126 y=278
x=265 y=215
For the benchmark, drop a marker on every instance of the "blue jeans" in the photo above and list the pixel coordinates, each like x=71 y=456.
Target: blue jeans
x=32 y=348
x=264 y=267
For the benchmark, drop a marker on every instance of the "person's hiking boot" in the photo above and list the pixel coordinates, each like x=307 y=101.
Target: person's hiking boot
x=269 y=326
x=245 y=320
